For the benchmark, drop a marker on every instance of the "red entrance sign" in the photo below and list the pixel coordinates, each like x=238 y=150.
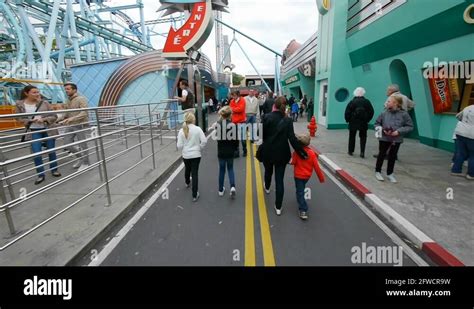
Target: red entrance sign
x=192 y=34
x=441 y=95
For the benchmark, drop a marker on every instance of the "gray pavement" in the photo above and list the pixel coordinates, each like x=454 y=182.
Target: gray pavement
x=59 y=241
x=214 y=231
x=420 y=196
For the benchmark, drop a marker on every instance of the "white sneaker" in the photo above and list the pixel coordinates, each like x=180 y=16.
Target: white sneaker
x=469 y=177
x=196 y=198
x=77 y=164
x=267 y=191
x=232 y=192
x=278 y=211
x=221 y=193
x=379 y=176
x=83 y=167
x=392 y=178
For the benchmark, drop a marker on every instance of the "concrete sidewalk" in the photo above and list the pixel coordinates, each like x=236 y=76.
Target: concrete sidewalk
x=421 y=196
x=59 y=241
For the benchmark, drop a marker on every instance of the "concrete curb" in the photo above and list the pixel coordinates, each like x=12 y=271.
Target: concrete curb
x=437 y=253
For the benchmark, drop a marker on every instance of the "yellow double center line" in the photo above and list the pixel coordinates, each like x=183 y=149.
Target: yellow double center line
x=267 y=246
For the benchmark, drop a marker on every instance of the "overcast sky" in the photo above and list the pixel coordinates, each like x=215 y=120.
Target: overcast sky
x=274 y=23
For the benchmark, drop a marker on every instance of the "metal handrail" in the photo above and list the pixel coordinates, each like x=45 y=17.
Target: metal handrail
x=60 y=111
x=145 y=121
x=62 y=147
x=112 y=142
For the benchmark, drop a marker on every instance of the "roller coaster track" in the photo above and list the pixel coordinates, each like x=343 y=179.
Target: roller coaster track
x=132 y=25
x=89 y=26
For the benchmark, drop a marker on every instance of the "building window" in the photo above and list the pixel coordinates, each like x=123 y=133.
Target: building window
x=342 y=94
x=451 y=86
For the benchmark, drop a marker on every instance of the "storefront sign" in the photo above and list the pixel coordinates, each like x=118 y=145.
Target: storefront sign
x=440 y=94
x=292 y=79
x=192 y=34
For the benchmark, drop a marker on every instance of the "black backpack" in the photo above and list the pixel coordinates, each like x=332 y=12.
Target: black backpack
x=189 y=101
x=359 y=113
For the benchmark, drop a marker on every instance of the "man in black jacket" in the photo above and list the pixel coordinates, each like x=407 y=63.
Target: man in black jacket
x=358 y=114
x=268 y=105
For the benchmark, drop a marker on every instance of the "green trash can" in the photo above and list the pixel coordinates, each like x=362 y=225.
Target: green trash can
x=204 y=116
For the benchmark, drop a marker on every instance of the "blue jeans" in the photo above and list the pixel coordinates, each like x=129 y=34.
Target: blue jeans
x=464 y=150
x=243 y=136
x=230 y=169
x=300 y=186
x=37 y=147
x=252 y=119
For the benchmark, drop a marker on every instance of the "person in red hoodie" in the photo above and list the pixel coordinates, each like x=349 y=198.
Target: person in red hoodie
x=303 y=172
x=237 y=105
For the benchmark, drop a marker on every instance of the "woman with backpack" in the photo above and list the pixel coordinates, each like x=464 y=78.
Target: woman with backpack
x=358 y=114
x=275 y=151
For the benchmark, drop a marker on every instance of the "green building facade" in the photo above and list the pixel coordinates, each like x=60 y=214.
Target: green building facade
x=373 y=44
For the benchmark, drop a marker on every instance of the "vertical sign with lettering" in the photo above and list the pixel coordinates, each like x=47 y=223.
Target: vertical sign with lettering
x=192 y=34
x=441 y=95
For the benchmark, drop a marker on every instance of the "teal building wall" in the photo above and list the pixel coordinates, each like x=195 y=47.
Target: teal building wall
x=304 y=83
x=393 y=49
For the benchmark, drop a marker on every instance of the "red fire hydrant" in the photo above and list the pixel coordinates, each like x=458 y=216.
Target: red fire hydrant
x=312 y=126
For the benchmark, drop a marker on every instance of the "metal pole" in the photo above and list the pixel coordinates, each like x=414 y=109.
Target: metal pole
x=278 y=76
x=230 y=27
x=175 y=127
x=219 y=68
x=98 y=160
x=139 y=134
x=151 y=135
x=8 y=215
x=98 y=55
x=74 y=35
x=142 y=22
x=125 y=132
x=199 y=97
x=52 y=28
x=104 y=162
x=62 y=46
x=85 y=15
x=264 y=82
x=5 y=173
x=160 y=124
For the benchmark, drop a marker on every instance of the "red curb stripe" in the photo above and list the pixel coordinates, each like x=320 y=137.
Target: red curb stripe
x=439 y=255
x=354 y=184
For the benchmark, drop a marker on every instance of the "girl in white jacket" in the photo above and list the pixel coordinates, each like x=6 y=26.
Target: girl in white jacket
x=191 y=140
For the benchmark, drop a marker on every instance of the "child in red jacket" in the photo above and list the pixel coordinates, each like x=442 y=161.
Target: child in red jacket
x=303 y=172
